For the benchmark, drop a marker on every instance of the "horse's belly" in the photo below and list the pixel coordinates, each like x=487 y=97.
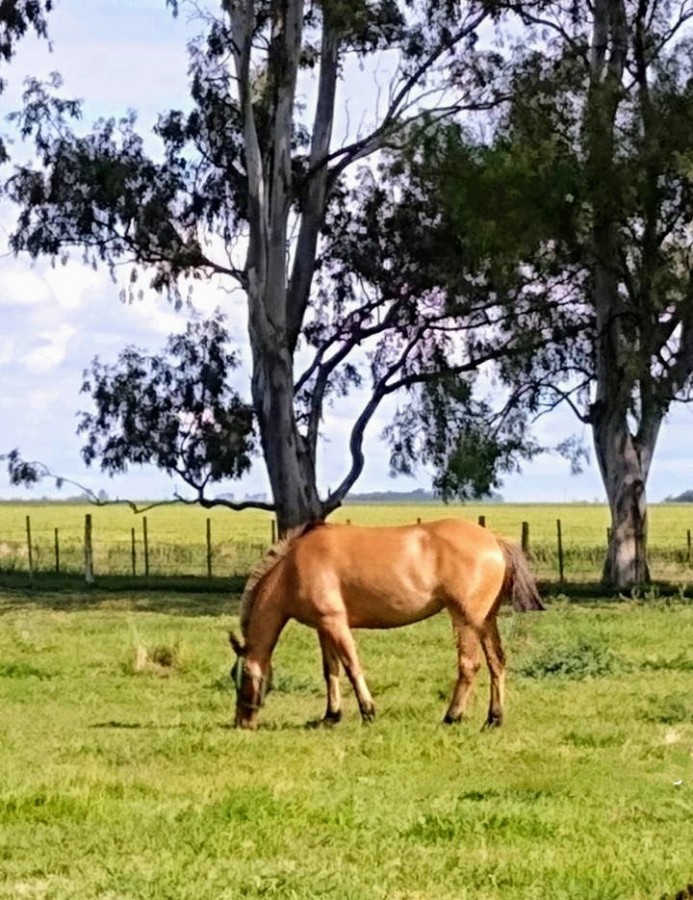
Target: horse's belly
x=376 y=611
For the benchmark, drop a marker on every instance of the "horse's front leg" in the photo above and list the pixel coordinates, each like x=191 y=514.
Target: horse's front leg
x=330 y=670
x=335 y=629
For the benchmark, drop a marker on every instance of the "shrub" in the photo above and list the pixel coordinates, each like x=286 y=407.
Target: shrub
x=583 y=659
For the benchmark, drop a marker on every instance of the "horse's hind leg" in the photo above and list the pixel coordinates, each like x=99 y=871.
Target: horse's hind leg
x=339 y=635
x=330 y=668
x=467 y=667
x=495 y=658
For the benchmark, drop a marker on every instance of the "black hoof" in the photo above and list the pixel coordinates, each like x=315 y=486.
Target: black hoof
x=494 y=720
x=329 y=720
x=451 y=720
x=368 y=715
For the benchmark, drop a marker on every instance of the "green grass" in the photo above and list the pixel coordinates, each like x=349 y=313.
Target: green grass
x=178 y=543
x=122 y=779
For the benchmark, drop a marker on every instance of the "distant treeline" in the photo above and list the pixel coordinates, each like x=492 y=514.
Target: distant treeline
x=417 y=496
x=685 y=497
x=386 y=497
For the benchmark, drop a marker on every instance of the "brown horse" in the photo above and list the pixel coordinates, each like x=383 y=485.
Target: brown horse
x=338 y=577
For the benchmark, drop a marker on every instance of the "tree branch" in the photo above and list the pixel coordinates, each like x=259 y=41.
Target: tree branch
x=313 y=204
x=401 y=99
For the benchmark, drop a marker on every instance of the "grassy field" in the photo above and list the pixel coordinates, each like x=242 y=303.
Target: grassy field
x=177 y=536
x=122 y=779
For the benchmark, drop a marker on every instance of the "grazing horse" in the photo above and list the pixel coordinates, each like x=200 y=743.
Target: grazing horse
x=338 y=577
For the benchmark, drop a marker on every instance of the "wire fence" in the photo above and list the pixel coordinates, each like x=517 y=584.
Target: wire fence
x=212 y=552
x=143 y=553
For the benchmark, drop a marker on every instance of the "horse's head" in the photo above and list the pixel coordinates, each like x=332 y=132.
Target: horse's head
x=251 y=686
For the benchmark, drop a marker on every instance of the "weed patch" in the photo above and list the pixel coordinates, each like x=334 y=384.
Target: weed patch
x=670 y=710
x=583 y=659
x=682 y=662
x=22 y=670
x=436 y=829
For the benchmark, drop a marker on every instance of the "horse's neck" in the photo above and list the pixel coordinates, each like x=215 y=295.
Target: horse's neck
x=263 y=628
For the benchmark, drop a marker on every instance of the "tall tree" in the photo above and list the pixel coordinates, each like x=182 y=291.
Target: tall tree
x=253 y=191
x=584 y=199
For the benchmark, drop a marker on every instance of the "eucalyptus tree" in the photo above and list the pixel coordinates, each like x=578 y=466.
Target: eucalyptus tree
x=253 y=189
x=584 y=200
x=635 y=201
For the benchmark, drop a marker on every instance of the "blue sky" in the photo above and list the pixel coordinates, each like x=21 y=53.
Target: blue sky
x=123 y=54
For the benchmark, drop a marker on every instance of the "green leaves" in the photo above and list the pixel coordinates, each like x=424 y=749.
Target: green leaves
x=175 y=410
x=16 y=18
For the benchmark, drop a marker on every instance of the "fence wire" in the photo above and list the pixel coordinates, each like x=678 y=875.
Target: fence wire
x=213 y=550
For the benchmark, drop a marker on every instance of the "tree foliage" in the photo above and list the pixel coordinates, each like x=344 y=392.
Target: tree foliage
x=175 y=410
x=251 y=188
x=549 y=260
x=577 y=211
x=17 y=17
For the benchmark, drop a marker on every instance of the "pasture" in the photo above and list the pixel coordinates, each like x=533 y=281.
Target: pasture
x=121 y=777
x=178 y=542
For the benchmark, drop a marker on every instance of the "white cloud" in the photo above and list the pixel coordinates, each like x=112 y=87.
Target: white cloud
x=50 y=349
x=7 y=353
x=73 y=285
x=40 y=400
x=22 y=286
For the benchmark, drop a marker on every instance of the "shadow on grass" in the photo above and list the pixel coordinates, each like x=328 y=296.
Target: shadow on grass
x=294 y=727
x=595 y=591
x=201 y=596
x=158 y=726
x=173 y=596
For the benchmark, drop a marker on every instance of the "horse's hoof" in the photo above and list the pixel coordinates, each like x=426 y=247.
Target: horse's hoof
x=494 y=720
x=329 y=720
x=451 y=720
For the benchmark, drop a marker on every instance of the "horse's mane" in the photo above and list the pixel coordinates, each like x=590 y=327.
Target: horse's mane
x=274 y=555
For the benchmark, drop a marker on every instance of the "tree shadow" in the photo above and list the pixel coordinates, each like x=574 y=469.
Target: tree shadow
x=167 y=598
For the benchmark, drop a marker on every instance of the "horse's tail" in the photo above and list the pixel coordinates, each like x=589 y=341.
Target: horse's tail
x=519 y=585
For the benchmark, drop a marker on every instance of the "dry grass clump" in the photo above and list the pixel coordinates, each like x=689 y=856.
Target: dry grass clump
x=161 y=660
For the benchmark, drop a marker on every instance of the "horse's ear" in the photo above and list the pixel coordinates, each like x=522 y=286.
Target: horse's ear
x=238 y=646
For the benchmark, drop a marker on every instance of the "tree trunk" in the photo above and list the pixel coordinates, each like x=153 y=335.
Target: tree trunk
x=624 y=465
x=289 y=463
x=623 y=458
x=624 y=455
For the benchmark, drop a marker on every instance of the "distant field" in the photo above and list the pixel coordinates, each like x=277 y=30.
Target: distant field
x=177 y=536
x=122 y=779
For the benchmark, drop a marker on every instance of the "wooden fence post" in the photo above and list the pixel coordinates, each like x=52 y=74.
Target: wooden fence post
x=57 y=553
x=688 y=543
x=560 y=551
x=525 y=538
x=30 y=549
x=133 y=551
x=482 y=521
x=418 y=520
x=273 y=531
x=209 y=548
x=145 y=541
x=88 y=551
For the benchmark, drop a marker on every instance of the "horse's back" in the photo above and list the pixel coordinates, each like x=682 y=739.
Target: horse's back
x=389 y=576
